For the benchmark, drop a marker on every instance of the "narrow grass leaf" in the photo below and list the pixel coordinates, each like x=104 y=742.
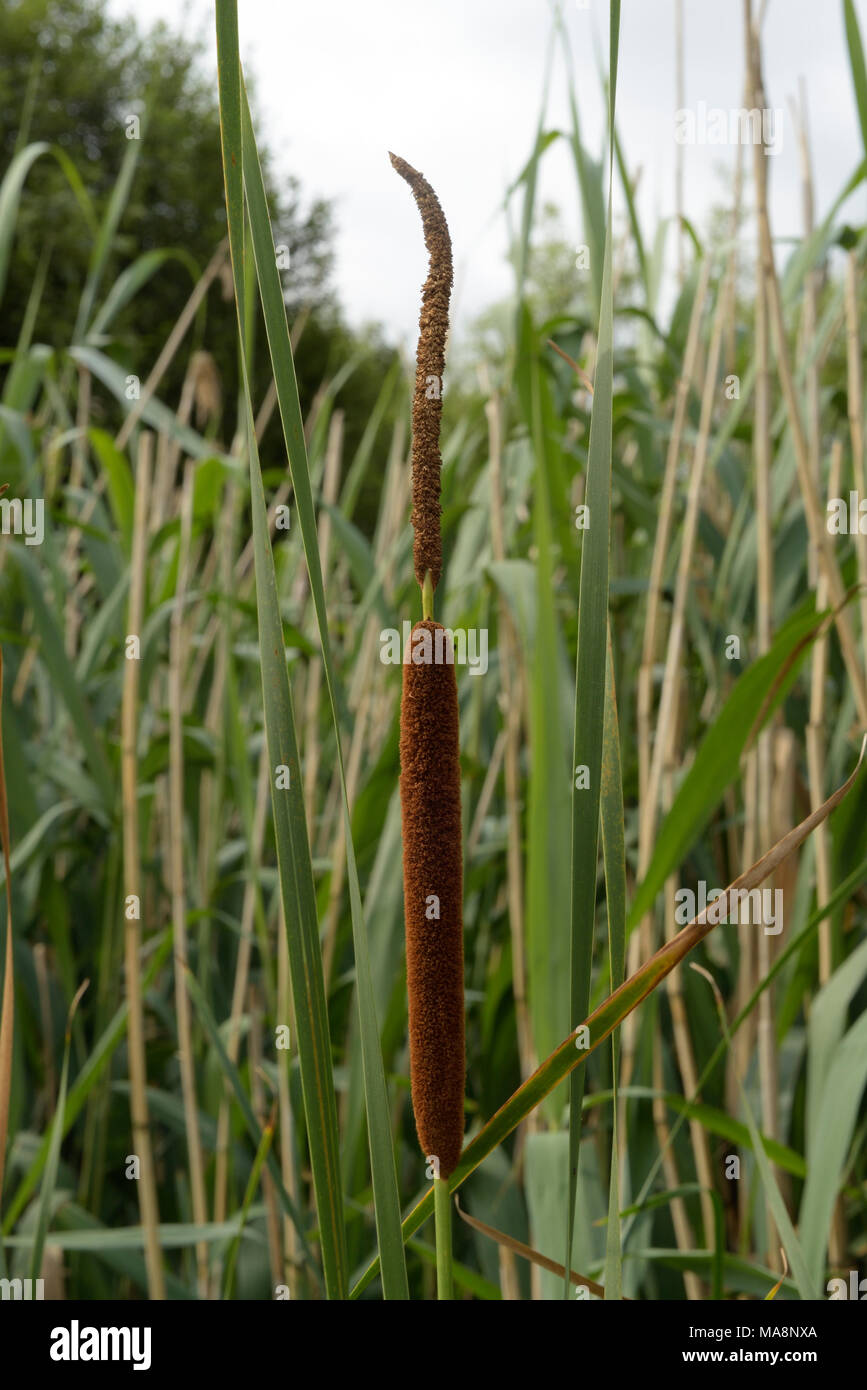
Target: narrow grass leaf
x=10 y=195
x=104 y=240
x=528 y=1253
x=384 y=1176
x=252 y=1183
x=793 y=1248
x=293 y=850
x=46 y=1196
x=856 y=62
x=53 y=654
x=591 y=658
x=829 y=1144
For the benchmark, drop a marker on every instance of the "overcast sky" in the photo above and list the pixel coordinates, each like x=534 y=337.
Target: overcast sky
x=455 y=87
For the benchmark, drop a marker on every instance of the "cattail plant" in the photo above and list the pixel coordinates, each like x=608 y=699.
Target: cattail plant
x=430 y=779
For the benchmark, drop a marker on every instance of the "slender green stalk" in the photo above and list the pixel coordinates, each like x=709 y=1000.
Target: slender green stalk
x=443 y=1224
x=427 y=596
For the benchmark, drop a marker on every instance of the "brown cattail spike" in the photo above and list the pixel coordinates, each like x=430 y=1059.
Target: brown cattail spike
x=430 y=798
x=430 y=362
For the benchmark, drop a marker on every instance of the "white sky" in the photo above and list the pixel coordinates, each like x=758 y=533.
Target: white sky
x=455 y=87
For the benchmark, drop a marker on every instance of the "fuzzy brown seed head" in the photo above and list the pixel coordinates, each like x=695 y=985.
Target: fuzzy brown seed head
x=430 y=362
x=430 y=798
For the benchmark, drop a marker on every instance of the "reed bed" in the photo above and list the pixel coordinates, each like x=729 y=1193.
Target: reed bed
x=210 y=778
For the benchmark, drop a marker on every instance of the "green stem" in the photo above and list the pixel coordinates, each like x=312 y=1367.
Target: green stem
x=427 y=596
x=443 y=1223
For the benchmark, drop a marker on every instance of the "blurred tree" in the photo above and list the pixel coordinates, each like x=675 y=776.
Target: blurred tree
x=73 y=76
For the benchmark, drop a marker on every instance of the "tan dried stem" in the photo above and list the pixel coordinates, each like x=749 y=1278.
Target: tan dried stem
x=176 y=841
x=139 y=1113
x=812 y=507
x=855 y=394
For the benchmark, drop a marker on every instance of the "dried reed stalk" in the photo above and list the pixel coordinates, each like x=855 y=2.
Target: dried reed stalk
x=175 y=826
x=146 y=1185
